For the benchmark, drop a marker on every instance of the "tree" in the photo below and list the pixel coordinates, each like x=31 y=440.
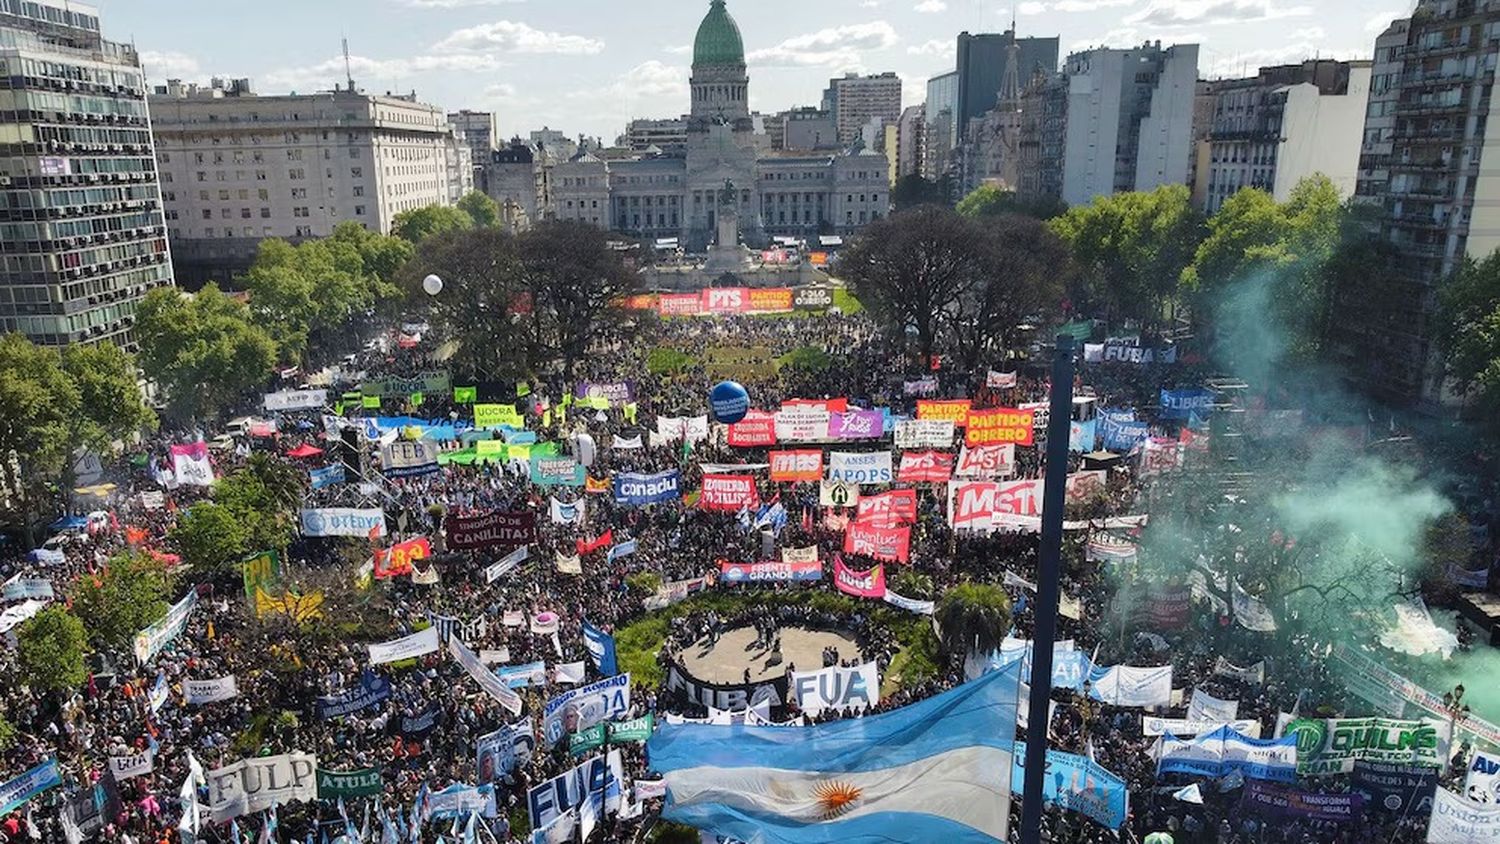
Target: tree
x=481 y=283
x=419 y=224
x=481 y=209
x=911 y=268
x=1130 y=250
x=573 y=281
x=111 y=405
x=995 y=201
x=204 y=350
x=973 y=617
x=129 y=594
x=49 y=650
x=912 y=584
x=39 y=409
x=1027 y=269
x=913 y=190
x=262 y=498
x=1468 y=326
x=209 y=537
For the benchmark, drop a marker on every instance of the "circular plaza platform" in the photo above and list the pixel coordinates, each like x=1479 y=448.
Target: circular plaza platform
x=725 y=661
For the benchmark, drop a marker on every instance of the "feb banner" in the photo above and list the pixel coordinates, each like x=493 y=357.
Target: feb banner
x=409 y=458
x=860 y=584
x=836 y=687
x=634 y=489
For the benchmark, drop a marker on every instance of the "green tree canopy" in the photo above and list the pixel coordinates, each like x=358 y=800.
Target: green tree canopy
x=973 y=617
x=481 y=282
x=126 y=596
x=913 y=190
x=418 y=224
x=39 y=418
x=204 y=350
x=995 y=201
x=481 y=209
x=262 y=497
x=209 y=537
x=50 y=650
x=574 y=281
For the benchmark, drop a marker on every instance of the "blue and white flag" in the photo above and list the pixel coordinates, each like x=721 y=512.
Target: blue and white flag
x=936 y=770
x=327 y=476
x=772 y=516
x=624 y=549
x=601 y=647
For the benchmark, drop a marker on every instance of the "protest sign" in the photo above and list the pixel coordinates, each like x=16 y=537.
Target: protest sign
x=635 y=489
x=769 y=572
x=491 y=529
x=861 y=467
x=999 y=426
x=729 y=493
x=796 y=466
x=924 y=433
x=837 y=688
x=198 y=692
x=256 y=784
x=925 y=467
x=343 y=521
x=892 y=545
x=585 y=706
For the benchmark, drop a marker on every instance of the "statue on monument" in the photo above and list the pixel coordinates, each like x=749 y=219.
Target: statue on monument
x=727 y=195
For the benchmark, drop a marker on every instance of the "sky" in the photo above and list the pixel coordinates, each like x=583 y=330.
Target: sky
x=590 y=66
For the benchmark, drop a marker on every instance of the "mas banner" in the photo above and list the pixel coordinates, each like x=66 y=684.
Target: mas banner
x=803 y=465
x=343 y=521
x=636 y=490
x=728 y=493
x=838 y=688
x=732 y=573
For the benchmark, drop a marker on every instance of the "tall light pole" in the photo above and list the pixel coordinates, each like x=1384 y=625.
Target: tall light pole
x=1047 y=590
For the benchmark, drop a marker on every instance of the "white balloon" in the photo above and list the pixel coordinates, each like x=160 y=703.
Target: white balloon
x=433 y=285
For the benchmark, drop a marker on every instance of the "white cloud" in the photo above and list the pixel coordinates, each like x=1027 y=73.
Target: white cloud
x=837 y=47
x=1088 y=5
x=935 y=47
x=932 y=7
x=1378 y=24
x=372 y=73
x=517 y=37
x=500 y=91
x=169 y=65
x=869 y=4
x=454 y=4
x=678 y=50
x=652 y=79
x=1198 y=12
x=1234 y=65
x=1029 y=9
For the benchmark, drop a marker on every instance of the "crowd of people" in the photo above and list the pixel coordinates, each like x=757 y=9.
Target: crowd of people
x=422 y=737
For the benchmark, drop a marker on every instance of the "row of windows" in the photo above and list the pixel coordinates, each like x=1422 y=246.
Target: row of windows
x=50 y=262
x=71 y=103
x=43 y=69
x=26 y=232
x=64 y=197
x=93 y=135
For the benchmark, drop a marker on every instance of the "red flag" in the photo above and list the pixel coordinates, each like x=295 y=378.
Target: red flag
x=604 y=540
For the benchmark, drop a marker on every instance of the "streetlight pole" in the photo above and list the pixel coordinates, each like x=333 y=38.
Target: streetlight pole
x=1047 y=589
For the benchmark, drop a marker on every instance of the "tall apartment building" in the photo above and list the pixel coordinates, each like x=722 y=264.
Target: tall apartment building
x=82 y=235
x=941 y=113
x=981 y=64
x=477 y=130
x=1285 y=124
x=854 y=100
x=514 y=179
x=911 y=141
x=1044 y=136
x=1129 y=119
x=238 y=167
x=1440 y=196
x=666 y=135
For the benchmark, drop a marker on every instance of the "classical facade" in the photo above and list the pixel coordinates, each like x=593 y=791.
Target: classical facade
x=658 y=194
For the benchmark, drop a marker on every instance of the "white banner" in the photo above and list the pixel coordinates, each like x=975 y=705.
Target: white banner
x=802 y=423
x=253 y=785
x=909 y=604
x=800 y=555
x=838 y=494
x=487 y=680
x=924 y=433
x=569 y=564
x=1459 y=821
x=1483 y=781
x=150 y=641
x=568 y=514
x=125 y=767
x=343 y=521
x=191 y=467
x=1184 y=728
x=296 y=400
x=209 y=691
x=506 y=564
x=417 y=644
x=20 y=588
x=986 y=461
x=1206 y=707
x=622 y=444
x=568 y=673
x=404 y=458
x=585 y=706
x=1127 y=685
x=14 y=616
x=836 y=687
x=860 y=467
x=1255 y=675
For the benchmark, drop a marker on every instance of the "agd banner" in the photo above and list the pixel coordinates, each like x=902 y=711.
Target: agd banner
x=637 y=489
x=253 y=785
x=343 y=521
x=836 y=687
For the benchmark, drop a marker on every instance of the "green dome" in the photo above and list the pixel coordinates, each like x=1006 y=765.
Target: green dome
x=718 y=41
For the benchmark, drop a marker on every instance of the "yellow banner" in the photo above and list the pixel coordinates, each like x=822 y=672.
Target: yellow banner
x=493 y=415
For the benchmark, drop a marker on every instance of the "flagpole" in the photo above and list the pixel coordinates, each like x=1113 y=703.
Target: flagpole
x=1047 y=589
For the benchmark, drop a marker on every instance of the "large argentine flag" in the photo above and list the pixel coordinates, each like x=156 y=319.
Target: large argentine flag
x=935 y=771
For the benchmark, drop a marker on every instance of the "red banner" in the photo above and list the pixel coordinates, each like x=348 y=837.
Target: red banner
x=954 y=410
x=724 y=300
x=986 y=461
x=929 y=467
x=840 y=405
x=888 y=509
x=640 y=302
x=976 y=505
x=679 y=304
x=860 y=584
x=999 y=426
x=730 y=493
x=797 y=466
x=604 y=540
x=396 y=560
x=758 y=428
x=890 y=544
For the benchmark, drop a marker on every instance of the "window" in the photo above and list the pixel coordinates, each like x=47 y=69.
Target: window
x=262 y=194
x=359 y=210
x=296 y=174
x=356 y=172
x=219 y=175
x=354 y=152
x=197 y=158
x=226 y=213
x=299 y=193
x=208 y=213
x=265 y=213
x=202 y=176
x=166 y=177
x=359 y=190
x=223 y=195
x=260 y=175
x=244 y=213
x=300 y=212
x=202 y=196
x=164 y=157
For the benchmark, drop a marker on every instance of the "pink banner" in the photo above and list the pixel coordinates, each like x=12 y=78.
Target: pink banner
x=890 y=544
x=728 y=492
x=860 y=584
x=932 y=467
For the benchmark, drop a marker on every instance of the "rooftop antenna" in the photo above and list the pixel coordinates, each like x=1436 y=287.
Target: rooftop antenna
x=348 y=71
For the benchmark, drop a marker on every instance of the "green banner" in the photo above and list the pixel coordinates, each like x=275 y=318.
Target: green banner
x=416 y=399
x=494 y=415
x=585 y=740
x=262 y=571
x=371 y=403
x=523 y=389
x=1080 y=331
x=636 y=729
x=335 y=784
x=465 y=395
x=1326 y=747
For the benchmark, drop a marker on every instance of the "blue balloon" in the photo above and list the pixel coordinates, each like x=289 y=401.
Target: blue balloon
x=730 y=402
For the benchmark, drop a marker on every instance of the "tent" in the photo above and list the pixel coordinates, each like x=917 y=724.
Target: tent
x=304 y=451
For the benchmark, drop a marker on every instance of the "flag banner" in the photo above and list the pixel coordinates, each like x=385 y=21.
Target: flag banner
x=487 y=530
x=624 y=549
x=1456 y=820
x=587 y=740
x=986 y=461
x=460 y=800
x=409 y=458
x=333 y=785
x=732 y=573
x=343 y=521
x=257 y=784
x=756 y=430
x=836 y=687
x=421 y=643
x=949 y=410
x=15 y=616
x=149 y=642
x=568 y=563
x=498 y=415
x=909 y=604
x=614 y=393
x=636 y=729
x=893 y=545
x=925 y=467
x=191 y=466
x=1128 y=685
x=1328 y=747
x=801 y=423
x=397 y=560
x=730 y=493
x=326 y=477
x=860 y=584
x=635 y=489
x=1482 y=783
x=1205 y=707
x=1000 y=426
x=589 y=791
x=770 y=691
x=21 y=588
x=601 y=648
x=296 y=400
x=797 y=466
x=583 y=707
x=198 y=692
x=674 y=592
x=1255 y=675
x=1123 y=437
x=465 y=395
x=800 y=555
x=1077 y=784
x=888 y=509
x=1159 y=456
x=589 y=546
x=1128 y=350
x=924 y=386
x=438 y=381
x=571 y=513
x=15 y=792
x=620 y=443
x=498 y=753
x=556 y=471
x=372 y=690
x=1185 y=728
x=1282 y=801
x=924 y=433
x=489 y=682
x=936 y=769
x=125 y=767
x=1082 y=486
x=1225 y=751
x=1000 y=380
x=860 y=467
x=521 y=676
x=1183 y=404
x=1081 y=435
x=985 y=505
x=856 y=425
x=838 y=494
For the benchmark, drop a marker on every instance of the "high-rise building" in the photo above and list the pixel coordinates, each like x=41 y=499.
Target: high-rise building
x=477 y=130
x=911 y=139
x=238 y=167
x=941 y=113
x=82 y=231
x=664 y=135
x=981 y=63
x=807 y=128
x=514 y=179
x=1379 y=138
x=855 y=99
x=1044 y=136
x=1286 y=123
x=1130 y=119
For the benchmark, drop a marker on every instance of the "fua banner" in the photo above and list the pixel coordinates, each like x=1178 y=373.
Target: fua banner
x=253 y=785
x=836 y=688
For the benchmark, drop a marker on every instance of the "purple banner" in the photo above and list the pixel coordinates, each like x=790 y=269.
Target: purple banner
x=856 y=425
x=616 y=393
x=1271 y=799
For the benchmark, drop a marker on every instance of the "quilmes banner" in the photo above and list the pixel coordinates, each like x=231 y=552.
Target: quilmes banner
x=487 y=530
x=769 y=572
x=409 y=458
x=727 y=696
x=149 y=642
x=583 y=707
x=253 y=785
x=343 y=521
x=1326 y=747
x=333 y=785
x=836 y=687
x=1076 y=783
x=636 y=489
x=428 y=383
x=372 y=689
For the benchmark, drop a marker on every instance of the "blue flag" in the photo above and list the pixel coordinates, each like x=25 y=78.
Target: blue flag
x=601 y=647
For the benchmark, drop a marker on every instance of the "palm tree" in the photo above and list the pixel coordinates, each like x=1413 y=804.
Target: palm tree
x=912 y=584
x=973 y=616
